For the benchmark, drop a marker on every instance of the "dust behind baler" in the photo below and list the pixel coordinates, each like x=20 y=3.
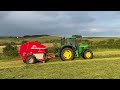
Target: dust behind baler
x=32 y=52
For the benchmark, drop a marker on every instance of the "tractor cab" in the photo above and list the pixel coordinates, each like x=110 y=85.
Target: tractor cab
x=68 y=41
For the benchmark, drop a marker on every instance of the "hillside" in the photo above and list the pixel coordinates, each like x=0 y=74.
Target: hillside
x=42 y=39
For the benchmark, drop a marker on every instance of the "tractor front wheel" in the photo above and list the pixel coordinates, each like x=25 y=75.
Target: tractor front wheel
x=67 y=54
x=87 y=54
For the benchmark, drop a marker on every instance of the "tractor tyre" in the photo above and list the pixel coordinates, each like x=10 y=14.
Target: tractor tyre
x=87 y=54
x=30 y=60
x=56 y=56
x=67 y=54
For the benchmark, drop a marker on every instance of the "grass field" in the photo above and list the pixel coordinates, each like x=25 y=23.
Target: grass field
x=104 y=68
x=100 y=38
x=104 y=65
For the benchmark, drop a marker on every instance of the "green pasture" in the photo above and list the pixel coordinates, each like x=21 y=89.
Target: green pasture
x=104 y=65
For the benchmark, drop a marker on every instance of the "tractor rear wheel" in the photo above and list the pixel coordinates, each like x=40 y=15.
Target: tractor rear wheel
x=67 y=54
x=87 y=54
x=30 y=60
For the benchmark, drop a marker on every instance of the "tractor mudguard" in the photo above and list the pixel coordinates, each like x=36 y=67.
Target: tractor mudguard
x=83 y=45
x=68 y=46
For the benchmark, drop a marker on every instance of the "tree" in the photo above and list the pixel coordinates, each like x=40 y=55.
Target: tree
x=110 y=41
x=77 y=36
x=10 y=50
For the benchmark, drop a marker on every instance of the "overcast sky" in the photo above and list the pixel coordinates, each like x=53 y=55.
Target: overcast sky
x=85 y=23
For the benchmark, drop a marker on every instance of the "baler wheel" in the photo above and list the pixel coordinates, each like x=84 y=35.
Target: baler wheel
x=30 y=60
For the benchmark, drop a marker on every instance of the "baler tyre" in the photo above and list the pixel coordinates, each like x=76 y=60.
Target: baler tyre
x=30 y=60
x=45 y=58
x=67 y=54
x=87 y=54
x=24 y=61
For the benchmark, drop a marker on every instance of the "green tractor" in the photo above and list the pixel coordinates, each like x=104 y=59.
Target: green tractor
x=69 y=49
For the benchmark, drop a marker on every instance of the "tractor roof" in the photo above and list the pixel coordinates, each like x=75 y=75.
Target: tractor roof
x=70 y=37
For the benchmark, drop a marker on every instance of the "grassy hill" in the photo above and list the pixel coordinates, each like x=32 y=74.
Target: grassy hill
x=48 y=39
x=42 y=39
x=100 y=38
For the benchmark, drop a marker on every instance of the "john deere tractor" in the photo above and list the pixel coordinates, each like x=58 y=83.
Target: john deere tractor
x=69 y=49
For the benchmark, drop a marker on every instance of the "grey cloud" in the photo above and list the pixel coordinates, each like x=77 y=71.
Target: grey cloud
x=80 y=17
x=44 y=22
x=3 y=14
x=117 y=12
x=68 y=16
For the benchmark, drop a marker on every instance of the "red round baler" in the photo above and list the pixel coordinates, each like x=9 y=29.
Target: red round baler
x=32 y=52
